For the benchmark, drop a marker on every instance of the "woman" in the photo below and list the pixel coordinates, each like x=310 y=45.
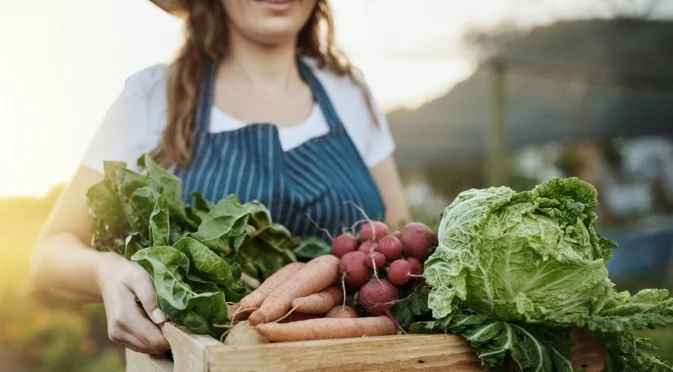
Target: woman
x=258 y=102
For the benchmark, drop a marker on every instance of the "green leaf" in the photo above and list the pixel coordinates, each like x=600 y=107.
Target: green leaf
x=311 y=247
x=109 y=226
x=138 y=195
x=133 y=245
x=172 y=186
x=223 y=227
x=159 y=222
x=625 y=352
x=649 y=308
x=169 y=270
x=531 y=256
x=413 y=307
x=265 y=260
x=191 y=252
x=533 y=348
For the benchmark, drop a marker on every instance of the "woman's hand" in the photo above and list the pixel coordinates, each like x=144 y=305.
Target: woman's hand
x=121 y=282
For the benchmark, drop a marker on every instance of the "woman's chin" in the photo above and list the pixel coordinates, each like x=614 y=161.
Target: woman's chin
x=272 y=34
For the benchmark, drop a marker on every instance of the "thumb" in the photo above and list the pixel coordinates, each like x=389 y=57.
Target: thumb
x=142 y=286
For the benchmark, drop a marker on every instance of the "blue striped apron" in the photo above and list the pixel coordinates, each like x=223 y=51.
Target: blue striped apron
x=307 y=188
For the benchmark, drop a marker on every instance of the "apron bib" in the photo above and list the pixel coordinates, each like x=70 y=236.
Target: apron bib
x=312 y=184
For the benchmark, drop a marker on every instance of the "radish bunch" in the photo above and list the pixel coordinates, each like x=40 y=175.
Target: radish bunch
x=377 y=262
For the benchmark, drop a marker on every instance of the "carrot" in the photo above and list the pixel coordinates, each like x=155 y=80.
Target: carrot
x=327 y=328
x=254 y=300
x=316 y=275
x=319 y=303
x=341 y=312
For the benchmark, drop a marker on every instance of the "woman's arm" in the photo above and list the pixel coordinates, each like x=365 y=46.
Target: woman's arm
x=64 y=266
x=388 y=181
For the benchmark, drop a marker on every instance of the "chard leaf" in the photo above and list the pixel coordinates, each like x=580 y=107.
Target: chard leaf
x=169 y=269
x=132 y=245
x=310 y=248
x=109 y=227
x=172 y=187
x=138 y=195
x=159 y=222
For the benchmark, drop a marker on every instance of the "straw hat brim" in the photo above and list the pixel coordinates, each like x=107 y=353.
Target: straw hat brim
x=173 y=7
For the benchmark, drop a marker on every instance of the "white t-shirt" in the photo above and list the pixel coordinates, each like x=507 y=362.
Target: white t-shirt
x=133 y=125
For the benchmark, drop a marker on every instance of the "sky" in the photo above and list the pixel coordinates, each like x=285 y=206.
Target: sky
x=62 y=63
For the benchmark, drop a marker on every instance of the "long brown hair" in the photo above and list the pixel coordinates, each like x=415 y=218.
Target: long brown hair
x=206 y=39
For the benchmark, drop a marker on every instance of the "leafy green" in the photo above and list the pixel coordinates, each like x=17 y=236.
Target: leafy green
x=310 y=248
x=195 y=254
x=514 y=272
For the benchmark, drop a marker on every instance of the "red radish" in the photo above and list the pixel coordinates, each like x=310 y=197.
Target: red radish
x=343 y=244
x=397 y=234
x=391 y=247
x=373 y=230
x=416 y=266
x=398 y=272
x=368 y=247
x=417 y=239
x=375 y=260
x=377 y=296
x=353 y=268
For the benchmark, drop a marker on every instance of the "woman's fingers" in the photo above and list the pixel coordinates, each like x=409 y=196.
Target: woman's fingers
x=140 y=283
x=127 y=340
x=132 y=324
x=128 y=325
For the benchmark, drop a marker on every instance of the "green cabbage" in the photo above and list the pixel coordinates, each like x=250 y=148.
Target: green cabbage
x=532 y=256
x=514 y=272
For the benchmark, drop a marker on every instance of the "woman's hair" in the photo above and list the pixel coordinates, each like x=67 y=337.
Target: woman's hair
x=206 y=39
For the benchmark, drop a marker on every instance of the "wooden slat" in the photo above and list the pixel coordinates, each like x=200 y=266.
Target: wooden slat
x=389 y=353
x=137 y=362
x=189 y=351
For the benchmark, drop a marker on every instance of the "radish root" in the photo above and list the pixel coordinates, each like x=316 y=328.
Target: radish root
x=286 y=315
x=320 y=228
x=390 y=315
x=363 y=213
x=376 y=275
x=240 y=310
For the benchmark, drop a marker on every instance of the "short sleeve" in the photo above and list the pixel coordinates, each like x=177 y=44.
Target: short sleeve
x=380 y=143
x=125 y=131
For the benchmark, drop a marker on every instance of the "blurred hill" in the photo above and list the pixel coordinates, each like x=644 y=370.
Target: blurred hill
x=590 y=79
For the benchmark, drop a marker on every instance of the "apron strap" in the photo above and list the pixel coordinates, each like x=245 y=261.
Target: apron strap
x=320 y=95
x=205 y=100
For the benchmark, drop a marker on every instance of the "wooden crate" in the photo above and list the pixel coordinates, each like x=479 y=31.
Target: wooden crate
x=193 y=353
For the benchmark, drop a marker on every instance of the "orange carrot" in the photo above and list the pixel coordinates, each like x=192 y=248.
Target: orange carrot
x=319 y=303
x=254 y=300
x=341 y=312
x=327 y=328
x=316 y=275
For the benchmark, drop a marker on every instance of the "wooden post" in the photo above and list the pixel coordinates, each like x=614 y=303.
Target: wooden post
x=496 y=167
